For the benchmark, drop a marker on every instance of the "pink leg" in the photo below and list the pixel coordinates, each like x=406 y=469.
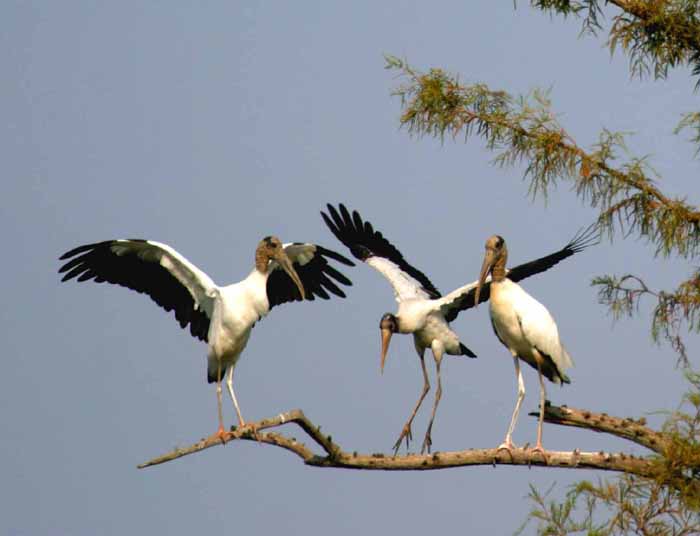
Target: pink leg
x=508 y=441
x=428 y=441
x=220 y=433
x=538 y=447
x=406 y=432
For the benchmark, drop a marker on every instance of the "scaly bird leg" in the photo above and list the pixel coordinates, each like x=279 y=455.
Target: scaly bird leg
x=241 y=421
x=508 y=442
x=229 y=386
x=538 y=447
x=428 y=441
x=406 y=432
x=220 y=433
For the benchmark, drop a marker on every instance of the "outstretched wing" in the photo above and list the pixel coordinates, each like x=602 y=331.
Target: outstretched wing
x=371 y=247
x=463 y=298
x=583 y=239
x=311 y=264
x=150 y=268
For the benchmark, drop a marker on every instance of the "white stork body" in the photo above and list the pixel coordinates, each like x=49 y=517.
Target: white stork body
x=424 y=319
x=221 y=316
x=237 y=308
x=419 y=311
x=523 y=324
x=431 y=329
x=422 y=310
x=527 y=329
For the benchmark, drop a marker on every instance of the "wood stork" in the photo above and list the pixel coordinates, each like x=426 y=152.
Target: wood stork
x=525 y=327
x=222 y=316
x=422 y=310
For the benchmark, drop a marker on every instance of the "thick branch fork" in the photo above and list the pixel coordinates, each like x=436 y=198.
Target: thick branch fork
x=334 y=456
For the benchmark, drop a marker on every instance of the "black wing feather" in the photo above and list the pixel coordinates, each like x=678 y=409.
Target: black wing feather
x=99 y=262
x=583 y=239
x=317 y=276
x=364 y=242
x=466 y=301
x=336 y=257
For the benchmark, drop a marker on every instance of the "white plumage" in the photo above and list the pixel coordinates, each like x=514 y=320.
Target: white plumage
x=523 y=324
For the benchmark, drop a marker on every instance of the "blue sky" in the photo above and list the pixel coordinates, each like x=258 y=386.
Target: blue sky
x=209 y=126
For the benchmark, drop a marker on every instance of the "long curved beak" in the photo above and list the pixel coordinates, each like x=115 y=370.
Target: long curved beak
x=287 y=266
x=489 y=259
x=386 y=337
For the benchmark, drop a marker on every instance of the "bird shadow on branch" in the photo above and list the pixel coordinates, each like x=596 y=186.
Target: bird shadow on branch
x=333 y=455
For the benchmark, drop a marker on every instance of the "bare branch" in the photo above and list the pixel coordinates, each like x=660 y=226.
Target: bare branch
x=630 y=429
x=295 y=416
x=336 y=457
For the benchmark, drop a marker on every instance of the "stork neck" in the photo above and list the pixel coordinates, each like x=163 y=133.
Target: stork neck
x=498 y=272
x=262 y=261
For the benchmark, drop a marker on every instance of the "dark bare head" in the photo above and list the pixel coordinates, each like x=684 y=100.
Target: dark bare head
x=388 y=325
x=494 y=263
x=269 y=249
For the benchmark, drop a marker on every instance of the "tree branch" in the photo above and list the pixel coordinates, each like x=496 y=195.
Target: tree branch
x=629 y=429
x=657 y=34
x=336 y=457
x=253 y=433
x=645 y=11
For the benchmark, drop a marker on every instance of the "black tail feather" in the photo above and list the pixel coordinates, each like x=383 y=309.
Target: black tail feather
x=466 y=351
x=213 y=372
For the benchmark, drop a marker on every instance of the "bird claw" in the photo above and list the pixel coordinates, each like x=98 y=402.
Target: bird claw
x=539 y=448
x=405 y=433
x=507 y=445
x=221 y=434
x=427 y=442
x=250 y=429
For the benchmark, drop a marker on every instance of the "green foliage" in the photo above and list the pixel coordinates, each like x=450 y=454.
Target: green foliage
x=672 y=311
x=691 y=121
x=633 y=506
x=657 y=35
x=575 y=514
x=669 y=504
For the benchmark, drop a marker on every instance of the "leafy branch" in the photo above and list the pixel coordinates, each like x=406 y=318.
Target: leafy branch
x=623 y=294
x=656 y=34
x=691 y=121
x=526 y=130
x=638 y=506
